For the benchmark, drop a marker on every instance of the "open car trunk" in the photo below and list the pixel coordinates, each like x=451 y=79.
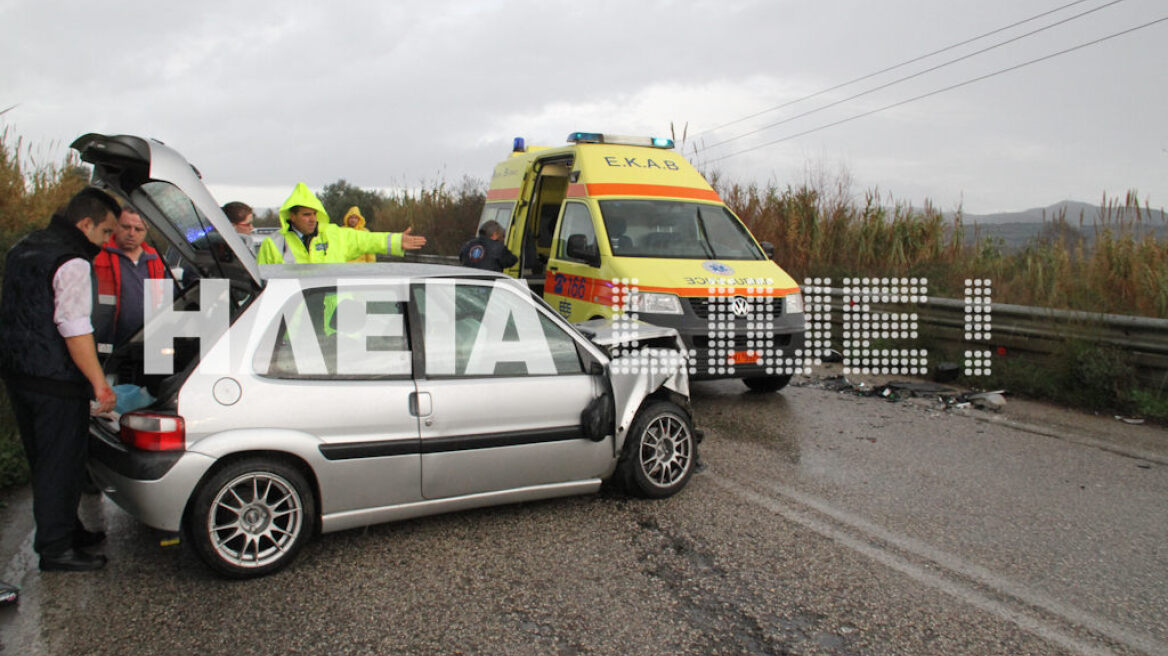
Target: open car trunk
x=190 y=232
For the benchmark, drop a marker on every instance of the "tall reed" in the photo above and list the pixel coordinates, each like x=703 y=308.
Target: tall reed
x=819 y=232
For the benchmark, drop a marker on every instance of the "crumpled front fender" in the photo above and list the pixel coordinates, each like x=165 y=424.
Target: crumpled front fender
x=638 y=374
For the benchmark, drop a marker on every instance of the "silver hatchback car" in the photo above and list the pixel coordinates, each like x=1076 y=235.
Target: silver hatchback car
x=263 y=406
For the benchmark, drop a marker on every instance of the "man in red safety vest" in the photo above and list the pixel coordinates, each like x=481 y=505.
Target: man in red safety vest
x=122 y=268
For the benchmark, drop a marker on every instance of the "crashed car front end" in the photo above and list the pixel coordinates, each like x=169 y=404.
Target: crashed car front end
x=646 y=360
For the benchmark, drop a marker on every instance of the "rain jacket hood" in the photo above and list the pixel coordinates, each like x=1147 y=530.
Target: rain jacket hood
x=303 y=197
x=354 y=211
x=330 y=242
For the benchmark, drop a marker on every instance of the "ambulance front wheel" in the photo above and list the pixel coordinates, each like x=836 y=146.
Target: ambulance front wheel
x=767 y=384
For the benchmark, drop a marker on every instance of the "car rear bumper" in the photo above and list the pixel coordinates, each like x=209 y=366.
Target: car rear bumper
x=151 y=486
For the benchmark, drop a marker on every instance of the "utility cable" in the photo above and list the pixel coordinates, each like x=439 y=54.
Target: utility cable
x=890 y=68
x=942 y=90
x=914 y=75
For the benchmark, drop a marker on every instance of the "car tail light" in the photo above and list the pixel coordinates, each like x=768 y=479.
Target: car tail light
x=153 y=432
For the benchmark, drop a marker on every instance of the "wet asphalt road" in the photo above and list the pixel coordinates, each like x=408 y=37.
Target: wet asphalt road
x=824 y=523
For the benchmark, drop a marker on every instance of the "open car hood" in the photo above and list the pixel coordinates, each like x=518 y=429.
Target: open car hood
x=603 y=332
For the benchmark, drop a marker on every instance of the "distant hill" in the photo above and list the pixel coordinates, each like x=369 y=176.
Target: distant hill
x=1074 y=210
x=1016 y=229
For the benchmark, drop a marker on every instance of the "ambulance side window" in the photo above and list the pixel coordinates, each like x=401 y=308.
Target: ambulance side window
x=576 y=222
x=500 y=212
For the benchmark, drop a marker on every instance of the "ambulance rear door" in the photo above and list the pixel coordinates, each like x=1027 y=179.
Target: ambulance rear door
x=540 y=197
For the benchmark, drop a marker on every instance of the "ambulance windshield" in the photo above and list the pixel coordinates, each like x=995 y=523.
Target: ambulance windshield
x=676 y=229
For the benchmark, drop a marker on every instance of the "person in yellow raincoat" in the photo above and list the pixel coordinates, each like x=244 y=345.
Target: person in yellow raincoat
x=354 y=220
x=306 y=236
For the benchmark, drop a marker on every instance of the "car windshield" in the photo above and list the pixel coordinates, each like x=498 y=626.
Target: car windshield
x=676 y=229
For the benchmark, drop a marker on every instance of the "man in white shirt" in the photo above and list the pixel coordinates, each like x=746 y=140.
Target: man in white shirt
x=48 y=359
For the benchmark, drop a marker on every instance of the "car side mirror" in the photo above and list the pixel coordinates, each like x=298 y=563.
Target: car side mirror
x=578 y=249
x=768 y=248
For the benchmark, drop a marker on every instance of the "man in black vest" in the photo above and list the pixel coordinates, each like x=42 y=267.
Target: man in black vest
x=50 y=368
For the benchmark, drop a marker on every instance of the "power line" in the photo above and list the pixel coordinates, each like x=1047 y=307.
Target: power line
x=942 y=90
x=914 y=75
x=890 y=68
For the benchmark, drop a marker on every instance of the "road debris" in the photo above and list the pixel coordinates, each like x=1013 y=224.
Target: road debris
x=832 y=355
x=9 y=594
x=899 y=390
x=946 y=372
x=993 y=401
x=1135 y=421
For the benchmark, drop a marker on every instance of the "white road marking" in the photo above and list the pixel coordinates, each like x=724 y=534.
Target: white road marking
x=949 y=562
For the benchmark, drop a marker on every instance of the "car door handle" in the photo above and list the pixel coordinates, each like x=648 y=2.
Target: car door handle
x=553 y=268
x=420 y=404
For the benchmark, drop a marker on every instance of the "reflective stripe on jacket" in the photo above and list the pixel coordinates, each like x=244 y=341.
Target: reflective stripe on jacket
x=107 y=271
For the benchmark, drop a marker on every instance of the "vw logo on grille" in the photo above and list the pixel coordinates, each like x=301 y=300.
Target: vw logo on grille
x=740 y=306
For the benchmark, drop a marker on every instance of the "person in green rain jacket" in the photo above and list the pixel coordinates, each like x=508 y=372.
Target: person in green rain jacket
x=306 y=236
x=353 y=219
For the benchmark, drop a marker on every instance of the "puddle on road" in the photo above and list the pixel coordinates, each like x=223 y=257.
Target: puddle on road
x=26 y=626
x=726 y=410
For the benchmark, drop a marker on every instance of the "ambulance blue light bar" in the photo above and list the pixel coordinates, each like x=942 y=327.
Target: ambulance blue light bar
x=625 y=140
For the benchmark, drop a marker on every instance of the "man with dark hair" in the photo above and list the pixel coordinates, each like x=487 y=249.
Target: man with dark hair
x=307 y=237
x=50 y=368
x=487 y=251
x=241 y=216
x=122 y=268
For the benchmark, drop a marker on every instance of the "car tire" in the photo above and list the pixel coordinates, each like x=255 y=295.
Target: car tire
x=251 y=517
x=767 y=384
x=661 y=451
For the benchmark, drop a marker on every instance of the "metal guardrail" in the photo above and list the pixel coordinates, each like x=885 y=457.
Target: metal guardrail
x=423 y=258
x=1038 y=334
x=1034 y=333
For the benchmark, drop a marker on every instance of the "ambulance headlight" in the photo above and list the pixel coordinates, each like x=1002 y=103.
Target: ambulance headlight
x=651 y=303
x=794 y=303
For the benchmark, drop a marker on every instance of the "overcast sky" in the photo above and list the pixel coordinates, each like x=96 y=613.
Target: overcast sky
x=261 y=95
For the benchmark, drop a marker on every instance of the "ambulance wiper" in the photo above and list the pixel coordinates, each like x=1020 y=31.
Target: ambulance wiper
x=705 y=237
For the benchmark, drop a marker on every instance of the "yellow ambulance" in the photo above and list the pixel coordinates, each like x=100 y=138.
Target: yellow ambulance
x=611 y=226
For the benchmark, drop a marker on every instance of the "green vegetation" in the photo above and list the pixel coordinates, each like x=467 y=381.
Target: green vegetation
x=820 y=232
x=1079 y=374
x=446 y=215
